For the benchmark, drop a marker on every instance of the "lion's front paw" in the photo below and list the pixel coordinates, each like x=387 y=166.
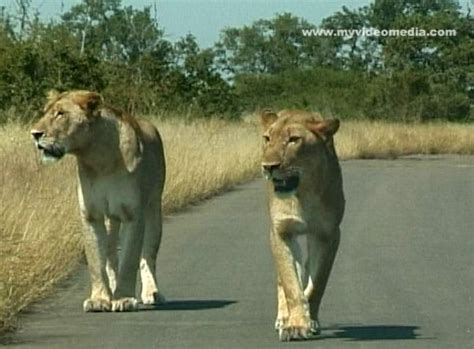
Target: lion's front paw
x=280 y=323
x=153 y=298
x=125 y=304
x=295 y=330
x=96 y=305
x=289 y=333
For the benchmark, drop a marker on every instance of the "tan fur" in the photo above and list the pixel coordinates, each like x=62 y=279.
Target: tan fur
x=121 y=174
x=299 y=144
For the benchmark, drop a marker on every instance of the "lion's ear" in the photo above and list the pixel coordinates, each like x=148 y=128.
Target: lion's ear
x=267 y=118
x=324 y=128
x=89 y=101
x=52 y=95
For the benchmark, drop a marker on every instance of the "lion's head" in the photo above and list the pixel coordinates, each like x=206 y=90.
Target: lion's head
x=294 y=143
x=64 y=127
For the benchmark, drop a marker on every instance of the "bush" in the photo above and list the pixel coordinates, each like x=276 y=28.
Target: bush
x=415 y=96
x=335 y=92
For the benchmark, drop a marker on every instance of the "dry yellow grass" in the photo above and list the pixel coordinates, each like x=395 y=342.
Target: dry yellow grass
x=35 y=209
x=204 y=158
x=373 y=140
x=40 y=239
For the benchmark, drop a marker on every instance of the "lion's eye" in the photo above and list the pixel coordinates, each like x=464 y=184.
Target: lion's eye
x=58 y=114
x=294 y=139
x=266 y=138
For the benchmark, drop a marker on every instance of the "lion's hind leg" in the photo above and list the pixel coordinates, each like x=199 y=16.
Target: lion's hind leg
x=321 y=256
x=151 y=245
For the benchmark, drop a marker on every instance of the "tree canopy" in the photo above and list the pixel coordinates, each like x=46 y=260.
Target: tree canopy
x=123 y=52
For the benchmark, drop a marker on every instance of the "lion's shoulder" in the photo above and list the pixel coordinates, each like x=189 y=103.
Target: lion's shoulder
x=144 y=129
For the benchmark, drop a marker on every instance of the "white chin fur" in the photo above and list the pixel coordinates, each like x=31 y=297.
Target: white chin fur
x=47 y=159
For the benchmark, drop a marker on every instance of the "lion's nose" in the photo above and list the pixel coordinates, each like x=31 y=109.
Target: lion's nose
x=270 y=167
x=37 y=134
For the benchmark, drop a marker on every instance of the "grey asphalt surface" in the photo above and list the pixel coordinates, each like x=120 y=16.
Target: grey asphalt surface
x=403 y=277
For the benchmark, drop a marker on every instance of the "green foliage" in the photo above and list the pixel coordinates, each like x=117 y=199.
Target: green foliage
x=327 y=90
x=119 y=51
x=272 y=47
x=386 y=77
x=205 y=89
x=122 y=52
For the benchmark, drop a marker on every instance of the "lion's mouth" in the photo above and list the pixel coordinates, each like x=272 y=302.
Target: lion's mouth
x=52 y=151
x=287 y=184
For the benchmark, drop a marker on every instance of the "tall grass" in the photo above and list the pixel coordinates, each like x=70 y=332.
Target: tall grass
x=40 y=234
x=373 y=140
x=39 y=230
x=204 y=158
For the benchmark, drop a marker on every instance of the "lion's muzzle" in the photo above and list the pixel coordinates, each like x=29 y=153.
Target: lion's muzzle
x=287 y=184
x=52 y=150
x=269 y=169
x=37 y=134
x=283 y=181
x=49 y=149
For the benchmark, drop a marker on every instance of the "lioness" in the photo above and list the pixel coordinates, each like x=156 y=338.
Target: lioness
x=121 y=174
x=305 y=197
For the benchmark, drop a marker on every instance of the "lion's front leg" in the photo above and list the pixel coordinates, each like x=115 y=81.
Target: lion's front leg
x=95 y=242
x=113 y=228
x=286 y=253
x=124 y=295
x=282 y=311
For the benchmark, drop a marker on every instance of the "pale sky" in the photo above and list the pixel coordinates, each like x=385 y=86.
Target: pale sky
x=205 y=18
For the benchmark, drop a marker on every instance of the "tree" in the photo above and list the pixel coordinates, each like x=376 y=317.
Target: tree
x=203 y=84
x=87 y=19
x=353 y=51
x=272 y=47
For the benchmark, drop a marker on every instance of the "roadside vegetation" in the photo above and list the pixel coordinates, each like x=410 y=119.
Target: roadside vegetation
x=382 y=140
x=103 y=45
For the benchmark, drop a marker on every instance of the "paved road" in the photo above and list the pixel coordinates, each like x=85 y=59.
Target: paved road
x=404 y=276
